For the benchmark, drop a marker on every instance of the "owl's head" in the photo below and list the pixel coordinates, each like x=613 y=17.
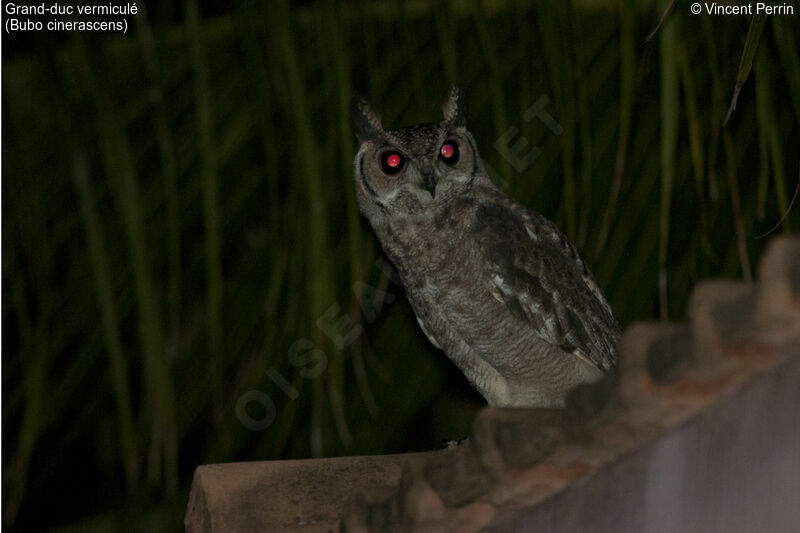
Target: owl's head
x=414 y=169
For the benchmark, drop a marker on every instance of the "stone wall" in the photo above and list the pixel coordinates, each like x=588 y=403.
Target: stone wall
x=700 y=431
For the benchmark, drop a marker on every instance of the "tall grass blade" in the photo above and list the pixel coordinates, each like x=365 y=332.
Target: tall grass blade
x=788 y=209
x=717 y=105
x=777 y=158
x=34 y=384
x=166 y=149
x=370 y=54
x=331 y=30
x=551 y=17
x=109 y=318
x=120 y=170
x=580 y=63
x=446 y=35
x=693 y=116
x=696 y=141
x=764 y=119
x=627 y=34
x=488 y=44
x=670 y=111
x=660 y=21
x=736 y=205
x=746 y=62
x=211 y=210
x=785 y=33
x=317 y=249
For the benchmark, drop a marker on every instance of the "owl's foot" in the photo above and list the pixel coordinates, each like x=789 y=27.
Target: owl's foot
x=455 y=443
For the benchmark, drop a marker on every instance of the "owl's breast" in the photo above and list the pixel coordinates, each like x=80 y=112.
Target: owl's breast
x=443 y=272
x=421 y=247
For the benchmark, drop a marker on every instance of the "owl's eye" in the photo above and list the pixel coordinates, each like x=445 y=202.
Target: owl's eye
x=392 y=162
x=449 y=152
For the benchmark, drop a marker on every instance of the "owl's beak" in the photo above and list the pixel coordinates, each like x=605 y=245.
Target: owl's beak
x=429 y=182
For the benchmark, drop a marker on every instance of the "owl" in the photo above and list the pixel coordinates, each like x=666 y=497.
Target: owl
x=496 y=286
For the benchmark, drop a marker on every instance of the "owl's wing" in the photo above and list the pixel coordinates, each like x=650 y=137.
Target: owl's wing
x=537 y=273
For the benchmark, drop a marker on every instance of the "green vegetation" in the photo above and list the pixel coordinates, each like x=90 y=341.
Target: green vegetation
x=179 y=212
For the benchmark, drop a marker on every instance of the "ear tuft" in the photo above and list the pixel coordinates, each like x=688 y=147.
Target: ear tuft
x=455 y=108
x=366 y=123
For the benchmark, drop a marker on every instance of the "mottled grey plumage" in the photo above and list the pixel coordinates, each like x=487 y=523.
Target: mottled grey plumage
x=498 y=287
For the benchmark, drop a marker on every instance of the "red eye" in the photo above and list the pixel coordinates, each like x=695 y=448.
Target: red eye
x=392 y=162
x=449 y=152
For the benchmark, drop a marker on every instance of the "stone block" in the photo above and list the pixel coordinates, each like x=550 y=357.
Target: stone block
x=721 y=316
x=304 y=495
x=778 y=294
x=516 y=438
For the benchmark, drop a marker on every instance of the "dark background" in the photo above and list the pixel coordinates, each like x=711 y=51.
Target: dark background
x=178 y=212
